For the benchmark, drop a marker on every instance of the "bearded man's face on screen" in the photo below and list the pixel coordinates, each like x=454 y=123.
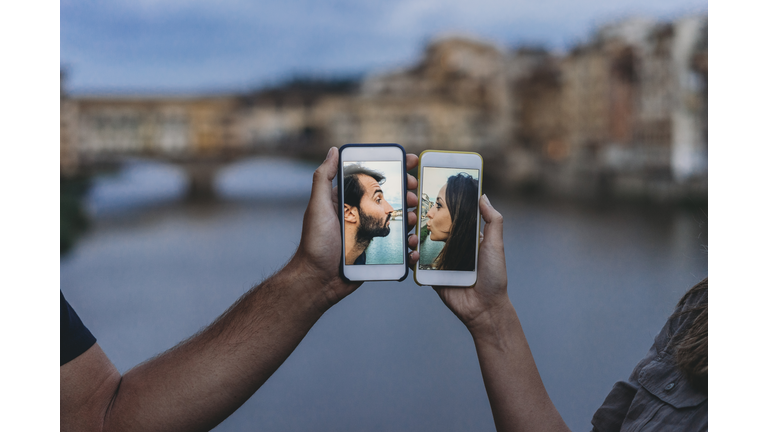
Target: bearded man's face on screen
x=375 y=211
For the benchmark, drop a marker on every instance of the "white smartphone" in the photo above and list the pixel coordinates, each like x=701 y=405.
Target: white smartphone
x=450 y=186
x=373 y=212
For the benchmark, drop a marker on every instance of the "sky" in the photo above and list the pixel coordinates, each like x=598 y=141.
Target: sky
x=197 y=46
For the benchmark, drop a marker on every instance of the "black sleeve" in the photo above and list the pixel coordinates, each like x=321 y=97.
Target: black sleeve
x=75 y=337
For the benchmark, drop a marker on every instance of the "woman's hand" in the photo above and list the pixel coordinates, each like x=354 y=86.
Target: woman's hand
x=519 y=401
x=476 y=306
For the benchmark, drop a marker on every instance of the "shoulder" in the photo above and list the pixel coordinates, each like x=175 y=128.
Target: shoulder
x=658 y=393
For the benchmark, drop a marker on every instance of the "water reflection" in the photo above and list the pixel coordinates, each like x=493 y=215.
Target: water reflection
x=429 y=251
x=591 y=286
x=266 y=179
x=138 y=184
x=387 y=250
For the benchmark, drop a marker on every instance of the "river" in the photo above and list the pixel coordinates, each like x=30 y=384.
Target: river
x=592 y=286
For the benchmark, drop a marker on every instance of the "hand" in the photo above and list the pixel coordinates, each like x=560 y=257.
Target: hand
x=319 y=253
x=476 y=306
x=412 y=201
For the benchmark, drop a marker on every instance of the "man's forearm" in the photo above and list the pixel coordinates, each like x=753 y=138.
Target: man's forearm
x=518 y=398
x=200 y=382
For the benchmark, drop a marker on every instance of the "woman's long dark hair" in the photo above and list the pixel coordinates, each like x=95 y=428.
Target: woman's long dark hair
x=461 y=200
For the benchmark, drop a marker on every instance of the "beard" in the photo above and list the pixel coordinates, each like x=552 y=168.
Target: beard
x=371 y=227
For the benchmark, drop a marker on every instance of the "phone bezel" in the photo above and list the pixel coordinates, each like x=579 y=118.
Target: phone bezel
x=373 y=152
x=447 y=159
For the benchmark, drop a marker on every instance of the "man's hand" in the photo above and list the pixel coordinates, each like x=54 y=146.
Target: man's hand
x=412 y=201
x=198 y=383
x=476 y=305
x=319 y=253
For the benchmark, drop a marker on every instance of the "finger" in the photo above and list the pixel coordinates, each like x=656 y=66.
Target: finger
x=411 y=161
x=411 y=182
x=411 y=199
x=413 y=258
x=494 y=222
x=413 y=241
x=322 y=185
x=411 y=220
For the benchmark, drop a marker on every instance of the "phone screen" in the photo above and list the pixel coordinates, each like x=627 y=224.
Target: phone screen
x=373 y=213
x=448 y=218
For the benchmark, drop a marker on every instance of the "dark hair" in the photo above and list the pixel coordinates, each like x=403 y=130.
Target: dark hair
x=690 y=345
x=353 y=189
x=461 y=201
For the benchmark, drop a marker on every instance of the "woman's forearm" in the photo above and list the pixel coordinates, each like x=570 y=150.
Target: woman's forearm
x=517 y=395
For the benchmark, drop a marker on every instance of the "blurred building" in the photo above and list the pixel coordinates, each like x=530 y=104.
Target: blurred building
x=292 y=118
x=536 y=137
x=633 y=106
x=623 y=114
x=68 y=154
x=454 y=98
x=154 y=126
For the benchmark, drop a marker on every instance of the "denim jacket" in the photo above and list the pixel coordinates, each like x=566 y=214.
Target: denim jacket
x=657 y=396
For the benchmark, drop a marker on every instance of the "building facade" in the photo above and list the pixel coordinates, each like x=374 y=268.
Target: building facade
x=624 y=112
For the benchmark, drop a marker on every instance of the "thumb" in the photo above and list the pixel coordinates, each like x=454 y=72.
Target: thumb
x=322 y=179
x=494 y=222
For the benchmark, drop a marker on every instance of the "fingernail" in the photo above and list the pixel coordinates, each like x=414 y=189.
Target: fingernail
x=330 y=150
x=487 y=201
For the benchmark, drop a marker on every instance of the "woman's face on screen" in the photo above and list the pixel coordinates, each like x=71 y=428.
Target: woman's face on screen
x=439 y=223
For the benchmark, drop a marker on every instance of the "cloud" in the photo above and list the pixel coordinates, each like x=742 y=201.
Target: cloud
x=494 y=18
x=188 y=44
